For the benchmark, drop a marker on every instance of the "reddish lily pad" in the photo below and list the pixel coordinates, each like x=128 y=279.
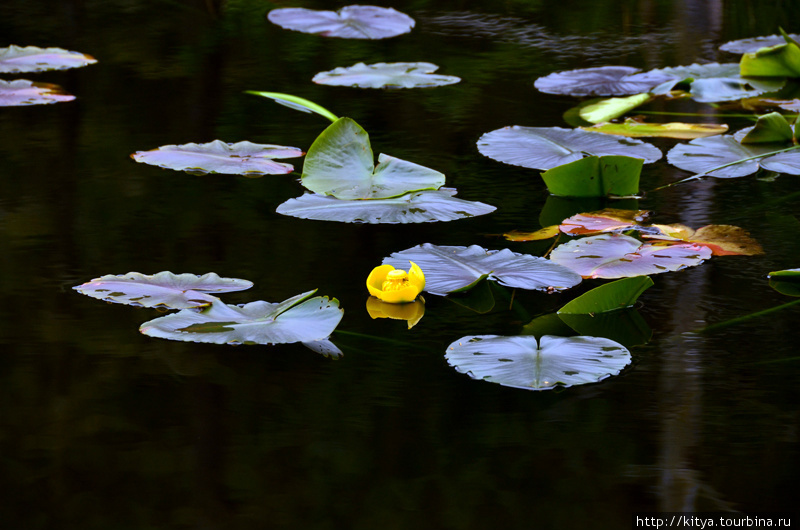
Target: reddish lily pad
x=608 y=220
x=723 y=240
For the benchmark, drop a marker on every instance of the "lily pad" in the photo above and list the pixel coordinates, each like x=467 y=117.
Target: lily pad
x=781 y=60
x=164 y=289
x=547 y=147
x=601 y=81
x=770 y=128
x=595 y=176
x=452 y=269
x=296 y=103
x=386 y=75
x=621 y=256
x=602 y=221
x=611 y=108
x=18 y=59
x=715 y=82
x=418 y=207
x=725 y=157
x=242 y=158
x=20 y=92
x=340 y=163
x=522 y=362
x=786 y=281
x=753 y=44
x=682 y=131
x=608 y=297
x=298 y=319
x=351 y=22
x=723 y=240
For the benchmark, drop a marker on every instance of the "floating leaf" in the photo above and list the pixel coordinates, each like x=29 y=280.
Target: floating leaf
x=17 y=59
x=296 y=103
x=723 y=240
x=340 y=163
x=786 y=281
x=754 y=44
x=781 y=60
x=608 y=297
x=419 y=207
x=298 y=319
x=621 y=256
x=725 y=157
x=164 y=289
x=451 y=269
x=547 y=232
x=548 y=147
x=351 y=22
x=770 y=128
x=324 y=347
x=608 y=109
x=23 y=92
x=636 y=129
x=600 y=81
x=716 y=82
x=521 y=362
x=242 y=158
x=595 y=177
x=606 y=220
x=386 y=75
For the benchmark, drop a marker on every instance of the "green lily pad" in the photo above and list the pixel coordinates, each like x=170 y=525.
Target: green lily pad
x=18 y=59
x=417 y=207
x=780 y=60
x=600 y=81
x=786 y=281
x=638 y=129
x=340 y=163
x=452 y=269
x=770 y=128
x=621 y=256
x=611 y=108
x=547 y=147
x=21 y=92
x=298 y=319
x=608 y=297
x=350 y=22
x=164 y=289
x=242 y=158
x=523 y=362
x=725 y=157
x=595 y=177
x=385 y=75
x=625 y=326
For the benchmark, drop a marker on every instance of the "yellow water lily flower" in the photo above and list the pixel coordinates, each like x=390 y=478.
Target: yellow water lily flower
x=394 y=285
x=411 y=313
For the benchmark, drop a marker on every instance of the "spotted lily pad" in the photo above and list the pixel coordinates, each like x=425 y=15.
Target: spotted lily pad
x=22 y=92
x=601 y=81
x=547 y=147
x=18 y=59
x=164 y=289
x=453 y=269
x=242 y=158
x=523 y=362
x=351 y=22
x=298 y=319
x=622 y=256
x=386 y=75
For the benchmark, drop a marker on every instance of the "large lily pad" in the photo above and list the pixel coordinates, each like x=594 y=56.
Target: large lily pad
x=716 y=82
x=418 y=207
x=725 y=157
x=242 y=158
x=350 y=22
x=452 y=269
x=18 y=59
x=386 y=75
x=601 y=81
x=298 y=319
x=547 y=147
x=621 y=256
x=340 y=163
x=522 y=362
x=164 y=289
x=753 y=44
x=20 y=92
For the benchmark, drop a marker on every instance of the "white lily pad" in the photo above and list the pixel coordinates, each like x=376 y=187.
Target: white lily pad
x=552 y=362
x=621 y=256
x=547 y=147
x=707 y=156
x=298 y=319
x=716 y=82
x=340 y=163
x=753 y=44
x=418 y=207
x=451 y=269
x=350 y=22
x=164 y=289
x=18 y=59
x=600 y=81
x=242 y=158
x=386 y=75
x=20 y=92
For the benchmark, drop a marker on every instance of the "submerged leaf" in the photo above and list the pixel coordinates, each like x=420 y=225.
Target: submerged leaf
x=600 y=81
x=164 y=289
x=419 y=207
x=20 y=92
x=595 y=177
x=450 y=269
x=636 y=129
x=242 y=158
x=298 y=319
x=17 y=59
x=386 y=75
x=350 y=22
x=521 y=362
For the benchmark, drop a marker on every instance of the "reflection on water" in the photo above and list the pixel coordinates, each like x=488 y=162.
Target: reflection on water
x=104 y=427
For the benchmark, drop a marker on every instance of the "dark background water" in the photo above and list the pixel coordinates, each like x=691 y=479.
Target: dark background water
x=102 y=427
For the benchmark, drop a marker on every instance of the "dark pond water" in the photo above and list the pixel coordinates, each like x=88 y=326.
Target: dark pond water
x=102 y=427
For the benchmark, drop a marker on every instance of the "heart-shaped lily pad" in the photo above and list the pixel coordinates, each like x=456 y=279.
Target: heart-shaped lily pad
x=18 y=59
x=386 y=75
x=452 y=269
x=20 y=92
x=522 y=362
x=242 y=158
x=601 y=81
x=350 y=22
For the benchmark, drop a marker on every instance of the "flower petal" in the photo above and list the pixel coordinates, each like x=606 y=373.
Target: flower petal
x=416 y=276
x=376 y=278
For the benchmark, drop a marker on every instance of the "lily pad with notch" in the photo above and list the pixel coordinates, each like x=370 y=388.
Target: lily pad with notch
x=386 y=75
x=551 y=362
x=350 y=22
